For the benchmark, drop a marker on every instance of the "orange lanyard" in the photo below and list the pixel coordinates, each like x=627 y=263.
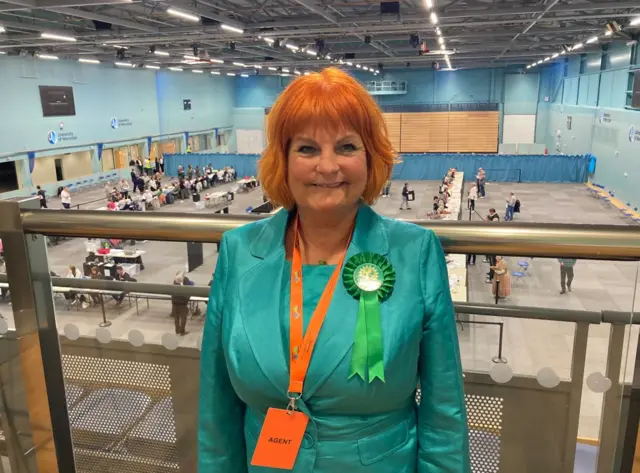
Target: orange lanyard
x=301 y=348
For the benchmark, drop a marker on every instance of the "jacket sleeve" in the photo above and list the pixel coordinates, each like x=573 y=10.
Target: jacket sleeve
x=221 y=443
x=443 y=436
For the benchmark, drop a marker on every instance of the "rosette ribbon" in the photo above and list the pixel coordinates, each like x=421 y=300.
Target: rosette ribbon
x=369 y=278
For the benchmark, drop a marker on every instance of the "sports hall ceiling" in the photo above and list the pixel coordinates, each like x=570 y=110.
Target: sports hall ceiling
x=302 y=35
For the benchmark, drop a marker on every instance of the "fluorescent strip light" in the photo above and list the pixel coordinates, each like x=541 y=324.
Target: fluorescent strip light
x=311 y=52
x=306 y=73
x=216 y=61
x=349 y=63
x=269 y=41
x=429 y=3
x=635 y=22
x=244 y=75
x=2 y=30
x=577 y=46
x=59 y=37
x=123 y=64
x=197 y=71
x=231 y=74
x=538 y=63
x=365 y=68
x=592 y=40
x=608 y=33
x=272 y=68
x=328 y=56
x=215 y=73
x=340 y=61
x=358 y=66
x=233 y=29
x=47 y=56
x=547 y=59
x=161 y=53
x=88 y=61
x=284 y=69
x=529 y=66
x=296 y=72
x=177 y=69
x=149 y=66
x=239 y=64
x=555 y=56
x=563 y=52
x=440 y=40
x=284 y=75
x=182 y=14
x=434 y=18
x=191 y=58
x=438 y=31
x=292 y=47
x=257 y=66
x=2 y=53
x=117 y=46
x=377 y=71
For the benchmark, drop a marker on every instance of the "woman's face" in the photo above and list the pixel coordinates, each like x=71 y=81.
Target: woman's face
x=327 y=171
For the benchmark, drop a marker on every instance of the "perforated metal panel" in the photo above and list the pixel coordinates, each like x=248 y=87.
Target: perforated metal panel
x=123 y=420
x=484 y=417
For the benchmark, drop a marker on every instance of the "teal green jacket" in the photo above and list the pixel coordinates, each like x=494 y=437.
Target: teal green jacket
x=354 y=427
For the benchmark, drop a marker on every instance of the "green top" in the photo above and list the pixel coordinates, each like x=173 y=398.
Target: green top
x=314 y=280
x=568 y=262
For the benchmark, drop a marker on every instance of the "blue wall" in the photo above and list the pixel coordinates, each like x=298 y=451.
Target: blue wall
x=147 y=103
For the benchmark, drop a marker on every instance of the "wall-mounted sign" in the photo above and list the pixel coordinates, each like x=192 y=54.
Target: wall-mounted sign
x=120 y=122
x=114 y=123
x=54 y=137
x=186 y=104
x=569 y=122
x=634 y=135
x=604 y=117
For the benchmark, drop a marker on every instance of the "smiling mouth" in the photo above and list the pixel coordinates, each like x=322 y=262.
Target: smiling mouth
x=330 y=186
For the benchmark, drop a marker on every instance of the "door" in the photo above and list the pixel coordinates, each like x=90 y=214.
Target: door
x=107 y=160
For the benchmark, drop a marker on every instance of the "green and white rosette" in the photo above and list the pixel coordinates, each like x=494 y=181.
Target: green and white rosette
x=369 y=278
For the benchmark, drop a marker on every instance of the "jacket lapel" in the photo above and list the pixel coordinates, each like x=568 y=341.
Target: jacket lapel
x=261 y=301
x=338 y=331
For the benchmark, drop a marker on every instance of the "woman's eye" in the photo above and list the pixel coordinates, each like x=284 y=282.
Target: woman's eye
x=348 y=147
x=306 y=149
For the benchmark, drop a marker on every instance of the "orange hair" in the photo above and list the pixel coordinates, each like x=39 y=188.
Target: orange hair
x=331 y=99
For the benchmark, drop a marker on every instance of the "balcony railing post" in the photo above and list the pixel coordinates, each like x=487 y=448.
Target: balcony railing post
x=36 y=331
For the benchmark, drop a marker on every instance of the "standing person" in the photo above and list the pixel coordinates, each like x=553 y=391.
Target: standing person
x=472 y=196
x=326 y=161
x=481 y=179
x=386 y=189
x=405 y=197
x=65 y=197
x=471 y=260
x=566 y=273
x=511 y=205
x=180 y=307
x=42 y=196
x=124 y=189
x=139 y=165
x=148 y=167
x=491 y=259
x=161 y=163
x=502 y=280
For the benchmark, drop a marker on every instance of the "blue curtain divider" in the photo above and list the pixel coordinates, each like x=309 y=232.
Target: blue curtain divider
x=430 y=167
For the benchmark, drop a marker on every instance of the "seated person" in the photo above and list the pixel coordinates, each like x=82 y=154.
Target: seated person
x=95 y=274
x=197 y=171
x=153 y=185
x=121 y=275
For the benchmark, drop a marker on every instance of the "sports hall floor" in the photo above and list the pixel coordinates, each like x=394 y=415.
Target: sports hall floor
x=528 y=345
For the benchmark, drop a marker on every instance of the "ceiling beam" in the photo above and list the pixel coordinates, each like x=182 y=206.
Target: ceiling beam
x=535 y=10
x=44 y=4
x=87 y=15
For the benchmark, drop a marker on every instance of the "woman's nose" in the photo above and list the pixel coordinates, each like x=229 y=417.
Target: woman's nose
x=328 y=161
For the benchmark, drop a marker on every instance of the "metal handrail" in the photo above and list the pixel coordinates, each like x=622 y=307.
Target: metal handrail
x=600 y=242
x=472 y=308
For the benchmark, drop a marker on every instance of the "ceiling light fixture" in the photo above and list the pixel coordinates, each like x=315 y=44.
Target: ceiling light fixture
x=555 y=55
x=239 y=64
x=433 y=18
x=547 y=59
x=284 y=75
x=2 y=30
x=592 y=40
x=231 y=74
x=46 y=56
x=233 y=29
x=257 y=66
x=272 y=69
x=377 y=71
x=635 y=22
x=216 y=61
x=149 y=66
x=608 y=33
x=292 y=47
x=2 y=53
x=197 y=71
x=117 y=46
x=440 y=40
x=244 y=75
x=296 y=72
x=577 y=46
x=59 y=37
x=123 y=64
x=358 y=66
x=438 y=31
x=88 y=61
x=215 y=73
x=189 y=57
x=182 y=14
x=429 y=3
x=306 y=73
x=328 y=56
x=538 y=63
x=284 y=69
x=161 y=53
x=311 y=52
x=177 y=69
x=269 y=41
x=563 y=52
x=365 y=68
x=349 y=63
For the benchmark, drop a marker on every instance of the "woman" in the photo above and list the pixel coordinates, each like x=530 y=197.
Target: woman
x=73 y=296
x=327 y=160
x=65 y=198
x=501 y=278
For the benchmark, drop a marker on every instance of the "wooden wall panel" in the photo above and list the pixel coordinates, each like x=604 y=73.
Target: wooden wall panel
x=473 y=132
x=394 y=127
x=424 y=132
